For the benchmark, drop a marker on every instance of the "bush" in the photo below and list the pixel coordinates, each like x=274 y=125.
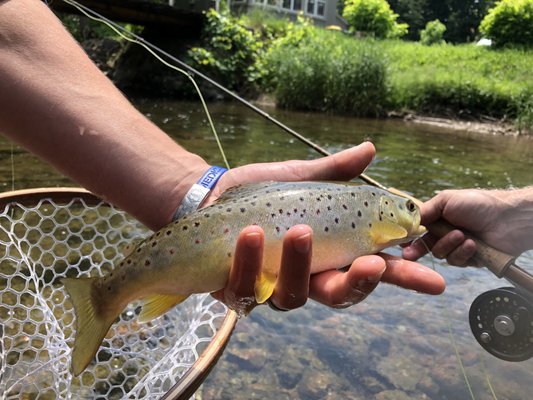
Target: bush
x=373 y=17
x=231 y=53
x=329 y=73
x=510 y=22
x=433 y=33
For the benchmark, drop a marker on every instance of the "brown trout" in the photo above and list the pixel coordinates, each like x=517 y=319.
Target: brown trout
x=195 y=253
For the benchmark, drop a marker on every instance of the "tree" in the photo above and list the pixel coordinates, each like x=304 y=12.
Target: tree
x=413 y=13
x=373 y=17
x=433 y=33
x=510 y=22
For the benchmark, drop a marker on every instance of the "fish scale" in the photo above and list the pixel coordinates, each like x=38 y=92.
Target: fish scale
x=195 y=253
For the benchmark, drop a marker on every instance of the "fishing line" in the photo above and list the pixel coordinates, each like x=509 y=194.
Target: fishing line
x=91 y=14
x=449 y=326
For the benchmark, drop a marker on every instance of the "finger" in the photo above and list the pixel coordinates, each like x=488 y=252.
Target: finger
x=448 y=243
x=419 y=247
x=344 y=165
x=292 y=285
x=343 y=289
x=239 y=293
x=462 y=255
x=432 y=209
x=411 y=275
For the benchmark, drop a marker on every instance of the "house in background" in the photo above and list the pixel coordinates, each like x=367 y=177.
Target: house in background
x=323 y=12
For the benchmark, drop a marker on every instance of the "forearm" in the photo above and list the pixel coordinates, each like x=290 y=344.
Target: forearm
x=56 y=103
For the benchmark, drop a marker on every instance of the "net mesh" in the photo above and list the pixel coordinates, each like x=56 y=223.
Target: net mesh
x=41 y=244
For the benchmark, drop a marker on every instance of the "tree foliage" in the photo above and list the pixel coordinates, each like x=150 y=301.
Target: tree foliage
x=373 y=17
x=510 y=22
x=433 y=33
x=230 y=54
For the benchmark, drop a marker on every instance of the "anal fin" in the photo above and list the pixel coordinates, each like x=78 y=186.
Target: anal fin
x=158 y=304
x=264 y=286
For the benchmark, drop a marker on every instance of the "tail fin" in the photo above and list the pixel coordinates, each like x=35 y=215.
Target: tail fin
x=92 y=326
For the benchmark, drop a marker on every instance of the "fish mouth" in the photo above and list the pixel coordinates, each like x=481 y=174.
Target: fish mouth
x=417 y=231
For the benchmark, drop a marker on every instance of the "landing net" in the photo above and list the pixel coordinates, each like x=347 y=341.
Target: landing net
x=45 y=236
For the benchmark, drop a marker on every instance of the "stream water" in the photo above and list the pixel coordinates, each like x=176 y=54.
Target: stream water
x=395 y=345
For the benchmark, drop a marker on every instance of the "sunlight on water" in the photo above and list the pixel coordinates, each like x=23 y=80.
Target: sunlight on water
x=396 y=344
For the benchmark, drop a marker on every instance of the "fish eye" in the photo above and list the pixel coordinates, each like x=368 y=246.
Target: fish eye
x=410 y=206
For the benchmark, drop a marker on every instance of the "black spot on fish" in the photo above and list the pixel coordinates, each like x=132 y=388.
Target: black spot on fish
x=278 y=229
x=353 y=225
x=373 y=194
x=317 y=212
x=109 y=288
x=318 y=199
x=344 y=206
x=226 y=230
x=353 y=194
x=206 y=215
x=302 y=199
x=329 y=197
x=185 y=227
x=243 y=209
x=171 y=251
x=197 y=241
x=169 y=232
x=154 y=243
x=157 y=234
x=282 y=198
x=370 y=224
x=229 y=254
x=255 y=197
x=196 y=224
x=366 y=203
x=129 y=262
x=121 y=264
x=392 y=215
x=139 y=250
x=269 y=204
x=336 y=220
x=326 y=229
x=253 y=203
x=329 y=208
x=220 y=207
x=272 y=215
x=359 y=213
x=288 y=214
x=228 y=209
x=386 y=202
x=280 y=211
x=147 y=263
x=295 y=210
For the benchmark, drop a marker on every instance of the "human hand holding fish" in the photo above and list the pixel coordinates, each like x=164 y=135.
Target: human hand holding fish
x=294 y=285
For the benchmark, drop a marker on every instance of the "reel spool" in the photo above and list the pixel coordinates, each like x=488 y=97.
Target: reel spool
x=502 y=323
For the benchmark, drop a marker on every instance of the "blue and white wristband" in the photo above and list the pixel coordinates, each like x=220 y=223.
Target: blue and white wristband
x=199 y=191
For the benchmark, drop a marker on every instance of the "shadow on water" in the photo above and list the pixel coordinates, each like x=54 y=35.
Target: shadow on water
x=396 y=344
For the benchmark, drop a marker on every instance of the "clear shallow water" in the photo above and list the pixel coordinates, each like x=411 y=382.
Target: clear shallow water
x=397 y=343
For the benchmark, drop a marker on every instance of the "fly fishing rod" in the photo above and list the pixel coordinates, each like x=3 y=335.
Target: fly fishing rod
x=503 y=328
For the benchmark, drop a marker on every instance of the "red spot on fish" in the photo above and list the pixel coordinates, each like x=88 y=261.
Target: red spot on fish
x=197 y=241
x=171 y=251
x=226 y=230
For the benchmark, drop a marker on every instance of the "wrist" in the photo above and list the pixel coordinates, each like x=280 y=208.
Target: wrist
x=199 y=191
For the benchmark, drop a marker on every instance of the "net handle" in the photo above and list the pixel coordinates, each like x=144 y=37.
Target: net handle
x=194 y=377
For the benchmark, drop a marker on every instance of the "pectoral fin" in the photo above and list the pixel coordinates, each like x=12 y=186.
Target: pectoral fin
x=156 y=305
x=264 y=286
x=384 y=232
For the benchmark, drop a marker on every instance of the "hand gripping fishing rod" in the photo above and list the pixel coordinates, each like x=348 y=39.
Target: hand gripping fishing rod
x=501 y=320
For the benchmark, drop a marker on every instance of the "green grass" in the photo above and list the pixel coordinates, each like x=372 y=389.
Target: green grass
x=462 y=80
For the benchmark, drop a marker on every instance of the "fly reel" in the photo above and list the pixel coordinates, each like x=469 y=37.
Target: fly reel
x=502 y=323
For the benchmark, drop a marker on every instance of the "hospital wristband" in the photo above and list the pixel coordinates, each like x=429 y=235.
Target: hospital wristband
x=199 y=191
